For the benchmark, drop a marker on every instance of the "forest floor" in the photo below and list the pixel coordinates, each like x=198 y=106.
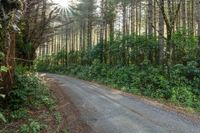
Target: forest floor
x=70 y=114
x=57 y=116
x=90 y=107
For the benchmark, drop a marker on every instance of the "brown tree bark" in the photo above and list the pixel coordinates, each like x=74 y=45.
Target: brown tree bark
x=198 y=19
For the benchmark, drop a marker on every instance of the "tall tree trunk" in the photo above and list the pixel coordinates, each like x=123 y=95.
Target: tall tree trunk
x=150 y=26
x=111 y=28
x=198 y=19
x=140 y=17
x=136 y=20
x=102 y=32
x=150 y=17
x=132 y=16
x=184 y=14
x=106 y=44
x=161 y=37
x=192 y=17
x=66 y=49
x=155 y=18
x=124 y=34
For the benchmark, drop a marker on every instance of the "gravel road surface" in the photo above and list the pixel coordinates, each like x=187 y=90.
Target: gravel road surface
x=109 y=111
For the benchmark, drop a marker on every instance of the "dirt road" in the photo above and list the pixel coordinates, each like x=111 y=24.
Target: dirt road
x=108 y=111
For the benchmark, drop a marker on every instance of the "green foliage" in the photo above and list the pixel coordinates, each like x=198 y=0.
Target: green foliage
x=58 y=117
x=182 y=87
x=32 y=127
x=29 y=91
x=48 y=101
x=2 y=117
x=182 y=94
x=141 y=73
x=19 y=114
x=186 y=46
x=20 y=69
x=3 y=69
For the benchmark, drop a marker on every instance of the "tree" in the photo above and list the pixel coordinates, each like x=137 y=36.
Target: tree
x=161 y=36
x=8 y=25
x=150 y=17
x=170 y=17
x=198 y=18
x=35 y=28
x=108 y=23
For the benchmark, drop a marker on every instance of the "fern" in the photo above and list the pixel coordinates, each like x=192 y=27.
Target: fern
x=2 y=118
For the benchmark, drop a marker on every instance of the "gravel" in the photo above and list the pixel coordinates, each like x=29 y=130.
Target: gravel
x=108 y=111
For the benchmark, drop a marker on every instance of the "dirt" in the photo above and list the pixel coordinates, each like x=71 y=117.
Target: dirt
x=71 y=120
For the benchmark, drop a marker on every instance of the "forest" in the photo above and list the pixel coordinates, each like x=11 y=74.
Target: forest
x=149 y=48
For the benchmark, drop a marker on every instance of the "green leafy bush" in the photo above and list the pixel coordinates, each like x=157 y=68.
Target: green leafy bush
x=182 y=87
x=131 y=63
x=29 y=91
x=183 y=95
x=19 y=114
x=32 y=127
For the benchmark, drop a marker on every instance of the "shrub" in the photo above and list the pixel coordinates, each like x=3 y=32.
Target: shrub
x=19 y=114
x=32 y=127
x=2 y=117
x=28 y=91
x=182 y=86
x=182 y=95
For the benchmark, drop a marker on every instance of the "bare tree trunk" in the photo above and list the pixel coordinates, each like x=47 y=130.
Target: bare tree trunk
x=155 y=18
x=184 y=14
x=124 y=34
x=66 y=48
x=102 y=32
x=136 y=20
x=161 y=37
x=140 y=17
x=150 y=17
x=132 y=17
x=198 y=19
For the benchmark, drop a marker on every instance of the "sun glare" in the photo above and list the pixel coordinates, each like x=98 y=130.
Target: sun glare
x=62 y=3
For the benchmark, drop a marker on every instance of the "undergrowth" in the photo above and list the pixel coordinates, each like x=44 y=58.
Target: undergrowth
x=30 y=106
x=182 y=87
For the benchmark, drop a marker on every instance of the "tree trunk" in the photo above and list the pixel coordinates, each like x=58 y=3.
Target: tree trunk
x=150 y=17
x=198 y=19
x=161 y=38
x=132 y=17
x=124 y=34
x=184 y=14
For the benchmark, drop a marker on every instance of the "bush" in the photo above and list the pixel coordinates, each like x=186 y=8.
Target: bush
x=32 y=127
x=28 y=96
x=183 y=95
x=19 y=114
x=28 y=92
x=131 y=63
x=181 y=87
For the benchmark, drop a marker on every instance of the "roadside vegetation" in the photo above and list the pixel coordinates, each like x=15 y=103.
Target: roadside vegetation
x=31 y=106
x=26 y=104
x=145 y=47
x=178 y=83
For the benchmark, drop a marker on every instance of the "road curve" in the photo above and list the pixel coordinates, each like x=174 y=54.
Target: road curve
x=108 y=111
